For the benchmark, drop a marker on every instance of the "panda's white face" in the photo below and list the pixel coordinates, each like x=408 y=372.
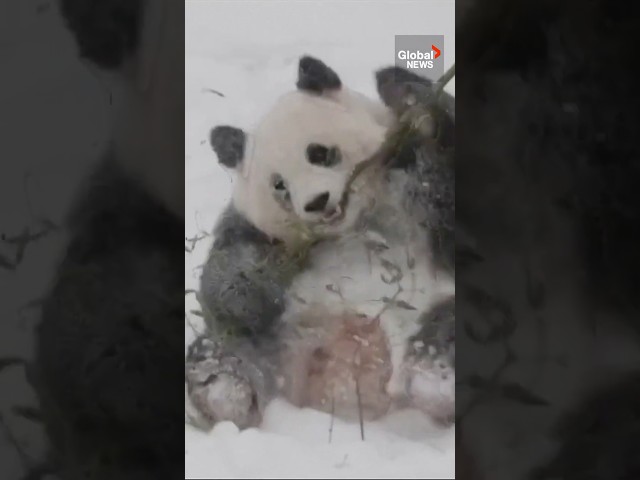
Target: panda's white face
x=295 y=165
x=300 y=158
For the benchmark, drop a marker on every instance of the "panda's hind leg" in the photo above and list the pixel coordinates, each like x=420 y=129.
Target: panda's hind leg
x=429 y=365
x=225 y=382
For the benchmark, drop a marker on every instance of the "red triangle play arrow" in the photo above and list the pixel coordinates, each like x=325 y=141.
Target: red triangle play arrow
x=435 y=49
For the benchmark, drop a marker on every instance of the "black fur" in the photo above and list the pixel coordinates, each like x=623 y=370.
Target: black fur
x=395 y=84
x=242 y=286
x=429 y=160
x=437 y=203
x=229 y=144
x=323 y=156
x=399 y=88
x=437 y=332
x=314 y=76
x=106 y=31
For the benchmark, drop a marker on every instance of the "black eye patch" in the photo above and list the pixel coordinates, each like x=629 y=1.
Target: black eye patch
x=322 y=156
x=281 y=191
x=278 y=183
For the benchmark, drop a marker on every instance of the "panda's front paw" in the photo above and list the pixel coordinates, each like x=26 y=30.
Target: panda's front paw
x=217 y=388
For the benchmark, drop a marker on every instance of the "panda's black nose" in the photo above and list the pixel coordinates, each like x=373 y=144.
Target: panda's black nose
x=318 y=204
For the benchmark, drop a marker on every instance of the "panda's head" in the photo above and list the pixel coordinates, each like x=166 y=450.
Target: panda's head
x=295 y=165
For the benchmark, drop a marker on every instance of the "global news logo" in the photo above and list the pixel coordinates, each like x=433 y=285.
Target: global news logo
x=418 y=59
x=421 y=54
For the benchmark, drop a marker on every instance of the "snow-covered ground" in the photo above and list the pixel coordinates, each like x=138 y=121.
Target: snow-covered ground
x=240 y=56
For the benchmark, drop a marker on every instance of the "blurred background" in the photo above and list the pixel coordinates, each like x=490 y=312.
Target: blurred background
x=43 y=161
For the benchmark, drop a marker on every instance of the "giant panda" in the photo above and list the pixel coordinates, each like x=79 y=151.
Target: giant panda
x=343 y=306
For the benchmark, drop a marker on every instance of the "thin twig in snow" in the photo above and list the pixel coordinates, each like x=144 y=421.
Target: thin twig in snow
x=360 y=408
x=211 y=90
x=357 y=363
x=333 y=405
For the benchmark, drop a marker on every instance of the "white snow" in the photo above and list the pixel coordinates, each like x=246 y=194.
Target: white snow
x=295 y=443
x=248 y=51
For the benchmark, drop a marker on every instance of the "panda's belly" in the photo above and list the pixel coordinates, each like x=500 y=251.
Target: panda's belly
x=368 y=275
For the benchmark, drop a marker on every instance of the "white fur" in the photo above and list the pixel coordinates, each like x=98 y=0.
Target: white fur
x=349 y=267
x=346 y=119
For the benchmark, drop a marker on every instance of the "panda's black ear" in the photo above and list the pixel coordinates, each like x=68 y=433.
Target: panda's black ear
x=399 y=88
x=315 y=77
x=106 y=31
x=229 y=144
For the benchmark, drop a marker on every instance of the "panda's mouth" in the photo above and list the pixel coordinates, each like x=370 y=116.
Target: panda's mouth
x=333 y=216
x=330 y=218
